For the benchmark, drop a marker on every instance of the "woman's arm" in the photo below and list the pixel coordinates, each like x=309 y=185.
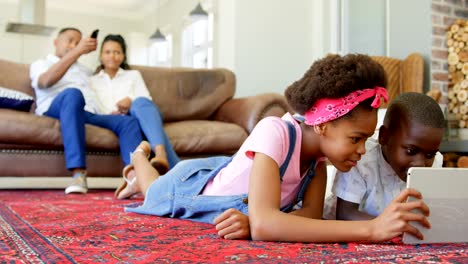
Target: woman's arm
x=138 y=90
x=268 y=223
x=350 y=211
x=123 y=106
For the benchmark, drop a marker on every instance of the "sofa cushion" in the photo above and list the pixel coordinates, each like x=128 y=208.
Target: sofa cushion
x=16 y=100
x=188 y=94
x=189 y=138
x=44 y=132
x=15 y=76
x=200 y=137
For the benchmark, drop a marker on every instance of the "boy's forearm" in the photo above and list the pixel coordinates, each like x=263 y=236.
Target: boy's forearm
x=352 y=214
x=305 y=212
x=58 y=70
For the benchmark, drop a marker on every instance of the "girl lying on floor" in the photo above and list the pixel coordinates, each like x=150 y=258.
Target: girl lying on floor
x=282 y=163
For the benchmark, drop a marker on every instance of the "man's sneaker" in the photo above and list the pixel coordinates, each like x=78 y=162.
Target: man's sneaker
x=78 y=185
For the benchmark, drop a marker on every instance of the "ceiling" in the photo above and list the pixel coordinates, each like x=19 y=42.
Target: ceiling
x=130 y=9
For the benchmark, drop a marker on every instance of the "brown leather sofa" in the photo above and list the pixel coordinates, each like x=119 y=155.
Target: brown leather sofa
x=201 y=118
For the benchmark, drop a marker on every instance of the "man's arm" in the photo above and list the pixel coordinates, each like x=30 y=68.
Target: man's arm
x=350 y=211
x=56 y=71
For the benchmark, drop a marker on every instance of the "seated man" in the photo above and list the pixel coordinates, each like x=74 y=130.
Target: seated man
x=63 y=92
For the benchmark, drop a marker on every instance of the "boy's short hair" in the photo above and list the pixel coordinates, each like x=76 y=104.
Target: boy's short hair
x=414 y=107
x=66 y=29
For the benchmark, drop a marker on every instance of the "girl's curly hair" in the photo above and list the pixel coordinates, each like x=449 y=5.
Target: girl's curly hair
x=333 y=77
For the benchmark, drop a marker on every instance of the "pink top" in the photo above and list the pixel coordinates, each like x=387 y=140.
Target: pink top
x=270 y=137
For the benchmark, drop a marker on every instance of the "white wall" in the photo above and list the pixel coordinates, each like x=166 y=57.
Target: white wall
x=364 y=31
x=410 y=30
x=16 y=47
x=87 y=23
x=137 y=48
x=225 y=37
x=267 y=43
x=27 y=48
x=171 y=18
x=394 y=28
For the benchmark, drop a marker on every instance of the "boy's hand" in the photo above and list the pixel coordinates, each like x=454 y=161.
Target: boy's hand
x=123 y=106
x=394 y=220
x=232 y=224
x=86 y=45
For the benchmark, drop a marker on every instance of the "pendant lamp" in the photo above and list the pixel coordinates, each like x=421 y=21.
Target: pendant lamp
x=157 y=35
x=198 y=12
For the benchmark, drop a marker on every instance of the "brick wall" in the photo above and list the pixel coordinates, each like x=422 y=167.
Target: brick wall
x=444 y=14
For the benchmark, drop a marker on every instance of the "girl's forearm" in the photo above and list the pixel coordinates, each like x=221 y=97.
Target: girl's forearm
x=292 y=228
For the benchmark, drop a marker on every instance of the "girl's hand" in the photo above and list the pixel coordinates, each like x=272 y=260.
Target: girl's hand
x=124 y=105
x=232 y=224
x=395 y=219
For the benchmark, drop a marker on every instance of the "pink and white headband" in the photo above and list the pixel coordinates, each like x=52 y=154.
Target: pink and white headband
x=328 y=109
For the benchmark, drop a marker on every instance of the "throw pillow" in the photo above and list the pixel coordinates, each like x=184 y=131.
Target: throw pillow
x=16 y=100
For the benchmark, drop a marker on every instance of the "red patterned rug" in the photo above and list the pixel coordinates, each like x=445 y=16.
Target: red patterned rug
x=48 y=226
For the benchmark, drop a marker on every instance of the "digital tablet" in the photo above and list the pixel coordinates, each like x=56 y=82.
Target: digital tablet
x=445 y=191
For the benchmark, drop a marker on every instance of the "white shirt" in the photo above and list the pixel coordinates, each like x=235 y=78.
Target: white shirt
x=372 y=184
x=77 y=76
x=126 y=83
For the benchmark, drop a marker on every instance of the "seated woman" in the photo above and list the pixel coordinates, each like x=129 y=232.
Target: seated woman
x=122 y=91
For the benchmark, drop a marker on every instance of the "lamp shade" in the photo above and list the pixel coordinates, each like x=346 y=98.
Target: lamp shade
x=158 y=36
x=198 y=12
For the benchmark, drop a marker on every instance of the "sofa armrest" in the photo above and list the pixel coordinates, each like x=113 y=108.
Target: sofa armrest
x=248 y=111
x=412 y=70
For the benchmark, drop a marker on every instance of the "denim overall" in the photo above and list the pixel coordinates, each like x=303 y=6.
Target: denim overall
x=178 y=193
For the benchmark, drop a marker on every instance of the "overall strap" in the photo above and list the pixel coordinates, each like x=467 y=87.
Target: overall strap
x=303 y=187
x=292 y=144
x=305 y=182
x=307 y=178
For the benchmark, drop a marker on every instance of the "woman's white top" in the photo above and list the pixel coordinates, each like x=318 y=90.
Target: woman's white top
x=126 y=83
